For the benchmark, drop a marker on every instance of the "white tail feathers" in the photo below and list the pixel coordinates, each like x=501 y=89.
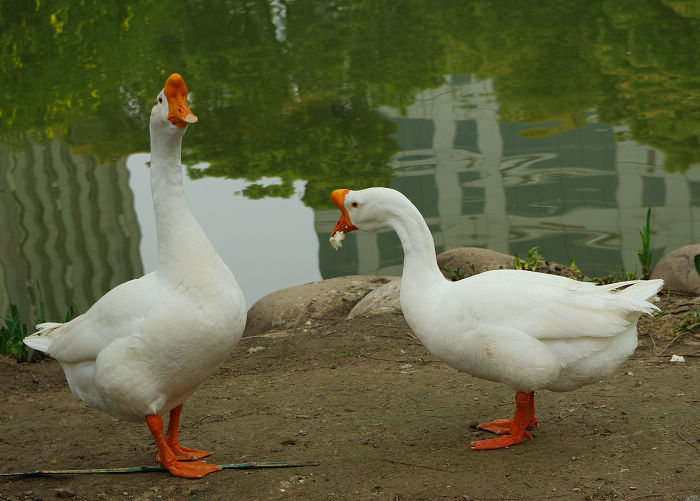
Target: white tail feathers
x=40 y=339
x=47 y=325
x=38 y=342
x=642 y=292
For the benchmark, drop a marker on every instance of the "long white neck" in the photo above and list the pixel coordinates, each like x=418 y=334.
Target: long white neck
x=181 y=241
x=419 y=263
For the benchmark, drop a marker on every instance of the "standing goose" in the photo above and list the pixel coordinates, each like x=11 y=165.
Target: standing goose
x=143 y=348
x=525 y=329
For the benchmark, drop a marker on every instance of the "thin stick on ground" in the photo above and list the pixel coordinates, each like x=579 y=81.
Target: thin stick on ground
x=685 y=439
x=671 y=342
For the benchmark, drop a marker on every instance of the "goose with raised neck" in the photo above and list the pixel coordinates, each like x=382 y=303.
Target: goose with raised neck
x=143 y=348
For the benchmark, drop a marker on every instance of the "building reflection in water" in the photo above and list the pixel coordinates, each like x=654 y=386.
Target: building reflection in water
x=578 y=193
x=68 y=224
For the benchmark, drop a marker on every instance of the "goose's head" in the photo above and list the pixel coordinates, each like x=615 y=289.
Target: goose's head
x=368 y=210
x=171 y=109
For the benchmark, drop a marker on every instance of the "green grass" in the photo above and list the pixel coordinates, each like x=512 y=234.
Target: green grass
x=644 y=257
x=457 y=274
x=619 y=275
x=644 y=254
x=14 y=331
x=531 y=262
x=12 y=334
x=690 y=320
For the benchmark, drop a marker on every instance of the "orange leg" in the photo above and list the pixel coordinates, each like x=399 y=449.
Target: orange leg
x=502 y=426
x=514 y=430
x=166 y=457
x=171 y=437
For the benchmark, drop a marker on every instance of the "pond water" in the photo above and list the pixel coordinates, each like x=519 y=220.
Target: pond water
x=509 y=124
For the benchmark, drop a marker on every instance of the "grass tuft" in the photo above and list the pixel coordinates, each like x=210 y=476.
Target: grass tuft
x=644 y=254
x=531 y=262
x=14 y=331
x=12 y=334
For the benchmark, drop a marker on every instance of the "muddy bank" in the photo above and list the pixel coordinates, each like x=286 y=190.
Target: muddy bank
x=384 y=418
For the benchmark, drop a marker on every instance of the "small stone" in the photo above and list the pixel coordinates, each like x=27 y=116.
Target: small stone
x=576 y=489
x=65 y=493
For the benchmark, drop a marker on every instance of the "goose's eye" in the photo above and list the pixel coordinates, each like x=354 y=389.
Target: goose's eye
x=354 y=204
x=160 y=99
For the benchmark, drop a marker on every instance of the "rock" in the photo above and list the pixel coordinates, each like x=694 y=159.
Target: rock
x=471 y=260
x=295 y=306
x=481 y=259
x=678 y=269
x=381 y=300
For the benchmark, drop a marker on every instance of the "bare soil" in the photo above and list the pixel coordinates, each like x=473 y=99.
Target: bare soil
x=385 y=420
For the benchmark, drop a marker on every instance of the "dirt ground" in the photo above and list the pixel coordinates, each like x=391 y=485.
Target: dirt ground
x=384 y=419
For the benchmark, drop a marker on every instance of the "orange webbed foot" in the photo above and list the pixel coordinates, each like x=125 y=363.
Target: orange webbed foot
x=191 y=469
x=513 y=431
x=502 y=426
x=181 y=453
x=500 y=442
x=185 y=454
x=168 y=458
x=498 y=426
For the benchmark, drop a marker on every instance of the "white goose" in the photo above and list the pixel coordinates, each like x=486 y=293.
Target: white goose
x=143 y=348
x=525 y=329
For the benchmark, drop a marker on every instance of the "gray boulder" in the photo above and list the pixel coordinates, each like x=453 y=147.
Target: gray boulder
x=381 y=300
x=677 y=269
x=295 y=306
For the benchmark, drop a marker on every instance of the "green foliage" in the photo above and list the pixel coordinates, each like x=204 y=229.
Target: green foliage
x=690 y=320
x=644 y=257
x=696 y=260
x=343 y=354
x=304 y=106
x=14 y=331
x=619 y=275
x=530 y=263
x=456 y=274
x=574 y=267
x=12 y=334
x=644 y=254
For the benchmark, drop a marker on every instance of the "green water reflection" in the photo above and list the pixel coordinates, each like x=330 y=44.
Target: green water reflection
x=291 y=89
x=300 y=91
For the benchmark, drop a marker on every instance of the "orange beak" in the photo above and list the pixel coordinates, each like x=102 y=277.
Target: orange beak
x=344 y=223
x=179 y=113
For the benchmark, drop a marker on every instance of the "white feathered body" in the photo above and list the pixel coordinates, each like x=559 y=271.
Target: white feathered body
x=529 y=330
x=149 y=343
x=526 y=329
